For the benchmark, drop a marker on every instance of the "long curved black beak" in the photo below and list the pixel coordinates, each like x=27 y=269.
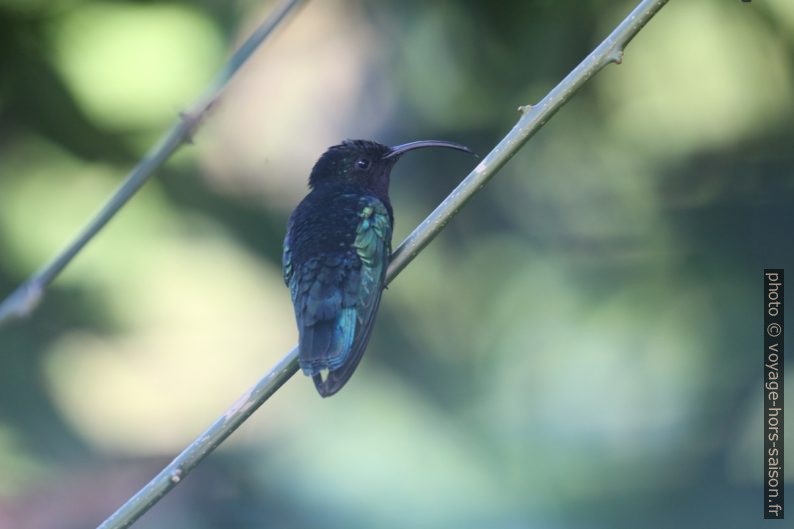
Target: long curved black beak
x=397 y=150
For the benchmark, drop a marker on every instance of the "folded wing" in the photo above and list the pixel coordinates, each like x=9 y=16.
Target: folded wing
x=336 y=297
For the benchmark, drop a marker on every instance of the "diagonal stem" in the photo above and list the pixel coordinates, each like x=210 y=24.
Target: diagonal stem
x=24 y=299
x=532 y=119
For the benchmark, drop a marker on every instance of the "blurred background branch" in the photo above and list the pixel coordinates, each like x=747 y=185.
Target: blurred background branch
x=23 y=300
x=532 y=119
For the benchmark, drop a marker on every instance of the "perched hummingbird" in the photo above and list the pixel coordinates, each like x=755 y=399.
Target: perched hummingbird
x=336 y=252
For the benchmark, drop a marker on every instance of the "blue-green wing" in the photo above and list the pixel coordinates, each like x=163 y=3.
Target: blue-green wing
x=373 y=249
x=336 y=296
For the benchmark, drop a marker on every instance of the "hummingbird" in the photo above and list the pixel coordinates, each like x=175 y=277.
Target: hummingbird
x=336 y=252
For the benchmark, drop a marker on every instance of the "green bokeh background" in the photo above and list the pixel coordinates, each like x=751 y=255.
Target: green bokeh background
x=581 y=347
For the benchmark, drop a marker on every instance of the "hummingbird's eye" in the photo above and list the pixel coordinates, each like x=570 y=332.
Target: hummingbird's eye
x=362 y=163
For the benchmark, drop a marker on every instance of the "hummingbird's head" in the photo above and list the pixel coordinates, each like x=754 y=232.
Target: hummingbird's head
x=365 y=163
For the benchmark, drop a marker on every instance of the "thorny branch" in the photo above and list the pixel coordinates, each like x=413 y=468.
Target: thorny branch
x=27 y=296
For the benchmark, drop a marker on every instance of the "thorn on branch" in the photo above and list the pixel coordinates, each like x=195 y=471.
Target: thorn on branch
x=22 y=301
x=176 y=476
x=194 y=118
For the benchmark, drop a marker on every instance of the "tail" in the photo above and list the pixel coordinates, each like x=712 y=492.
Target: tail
x=337 y=378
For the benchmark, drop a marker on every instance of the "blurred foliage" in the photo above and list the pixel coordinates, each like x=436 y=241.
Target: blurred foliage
x=579 y=348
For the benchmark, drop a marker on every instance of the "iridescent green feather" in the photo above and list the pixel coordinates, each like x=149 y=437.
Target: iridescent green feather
x=373 y=233
x=286 y=260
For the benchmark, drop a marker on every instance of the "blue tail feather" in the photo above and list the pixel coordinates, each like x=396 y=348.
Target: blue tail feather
x=326 y=344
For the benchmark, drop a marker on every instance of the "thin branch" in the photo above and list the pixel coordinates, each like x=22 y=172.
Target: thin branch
x=532 y=119
x=26 y=297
